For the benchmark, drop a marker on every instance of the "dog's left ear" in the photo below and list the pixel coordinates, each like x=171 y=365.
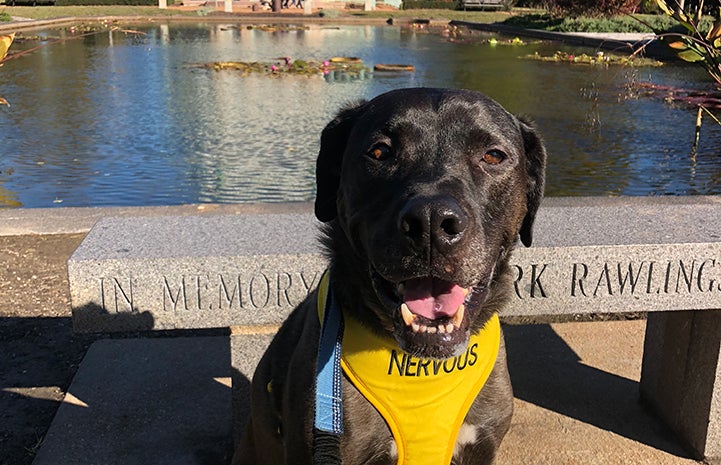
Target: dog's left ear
x=535 y=177
x=333 y=141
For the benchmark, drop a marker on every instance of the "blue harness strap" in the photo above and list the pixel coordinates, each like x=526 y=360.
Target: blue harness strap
x=328 y=389
x=328 y=393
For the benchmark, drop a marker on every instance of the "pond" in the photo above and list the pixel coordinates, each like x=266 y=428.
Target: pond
x=126 y=119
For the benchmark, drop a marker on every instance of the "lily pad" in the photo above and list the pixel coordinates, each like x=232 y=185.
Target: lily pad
x=354 y=60
x=394 y=68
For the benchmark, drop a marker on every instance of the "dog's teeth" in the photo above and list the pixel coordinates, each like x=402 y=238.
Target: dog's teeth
x=432 y=329
x=450 y=328
x=423 y=328
x=408 y=317
x=442 y=329
x=458 y=317
x=466 y=291
x=416 y=327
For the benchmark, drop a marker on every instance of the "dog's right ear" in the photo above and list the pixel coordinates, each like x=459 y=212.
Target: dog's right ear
x=333 y=143
x=535 y=177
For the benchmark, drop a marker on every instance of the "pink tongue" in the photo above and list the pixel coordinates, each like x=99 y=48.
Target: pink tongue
x=432 y=298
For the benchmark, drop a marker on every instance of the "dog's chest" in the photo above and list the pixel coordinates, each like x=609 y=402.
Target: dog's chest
x=423 y=403
x=369 y=441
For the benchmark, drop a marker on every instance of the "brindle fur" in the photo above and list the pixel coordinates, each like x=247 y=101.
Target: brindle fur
x=436 y=138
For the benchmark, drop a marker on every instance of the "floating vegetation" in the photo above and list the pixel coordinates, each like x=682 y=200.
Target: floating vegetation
x=21 y=38
x=276 y=27
x=515 y=41
x=88 y=29
x=85 y=28
x=333 y=69
x=599 y=58
x=691 y=98
x=470 y=36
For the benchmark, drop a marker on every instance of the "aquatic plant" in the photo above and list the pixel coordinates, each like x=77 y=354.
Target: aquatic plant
x=600 y=58
x=277 y=27
x=286 y=66
x=514 y=41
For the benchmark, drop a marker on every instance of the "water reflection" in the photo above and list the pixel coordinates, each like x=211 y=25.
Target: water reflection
x=121 y=119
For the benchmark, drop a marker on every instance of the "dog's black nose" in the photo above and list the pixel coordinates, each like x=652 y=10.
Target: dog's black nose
x=433 y=222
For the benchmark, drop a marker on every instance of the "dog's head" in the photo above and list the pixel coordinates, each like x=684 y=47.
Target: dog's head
x=425 y=192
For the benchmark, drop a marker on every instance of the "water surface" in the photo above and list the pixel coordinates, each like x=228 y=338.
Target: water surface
x=124 y=119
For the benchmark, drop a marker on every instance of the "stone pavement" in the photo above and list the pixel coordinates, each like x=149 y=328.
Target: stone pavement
x=145 y=401
x=167 y=401
x=576 y=389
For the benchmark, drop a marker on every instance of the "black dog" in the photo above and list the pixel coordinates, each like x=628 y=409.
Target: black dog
x=424 y=192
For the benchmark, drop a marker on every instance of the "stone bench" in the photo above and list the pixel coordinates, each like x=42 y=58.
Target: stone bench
x=590 y=255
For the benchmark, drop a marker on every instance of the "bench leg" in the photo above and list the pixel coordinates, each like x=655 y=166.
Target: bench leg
x=681 y=376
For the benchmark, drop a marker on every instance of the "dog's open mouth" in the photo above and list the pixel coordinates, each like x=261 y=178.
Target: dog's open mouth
x=431 y=305
x=432 y=315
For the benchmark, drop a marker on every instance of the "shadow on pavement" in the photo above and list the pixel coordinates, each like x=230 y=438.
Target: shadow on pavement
x=546 y=372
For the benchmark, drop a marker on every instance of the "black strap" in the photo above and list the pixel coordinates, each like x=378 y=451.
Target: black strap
x=326 y=448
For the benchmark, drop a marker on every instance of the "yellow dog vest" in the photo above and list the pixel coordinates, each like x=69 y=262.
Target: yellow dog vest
x=423 y=401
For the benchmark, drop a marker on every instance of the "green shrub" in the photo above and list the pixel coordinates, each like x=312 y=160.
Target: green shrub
x=4 y=17
x=430 y=4
x=532 y=4
x=597 y=24
x=535 y=21
x=596 y=7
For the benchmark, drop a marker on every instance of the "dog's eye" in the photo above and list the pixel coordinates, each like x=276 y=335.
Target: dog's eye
x=494 y=157
x=379 y=152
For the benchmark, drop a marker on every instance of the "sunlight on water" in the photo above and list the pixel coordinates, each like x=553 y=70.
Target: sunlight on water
x=119 y=119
